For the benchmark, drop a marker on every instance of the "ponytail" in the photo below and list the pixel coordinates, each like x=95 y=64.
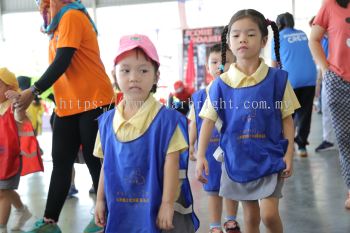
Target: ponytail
x=223 y=48
x=276 y=38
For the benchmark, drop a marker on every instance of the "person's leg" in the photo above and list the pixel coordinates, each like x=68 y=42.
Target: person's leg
x=5 y=206
x=88 y=131
x=328 y=134
x=21 y=214
x=339 y=102
x=16 y=200
x=270 y=215
x=72 y=188
x=296 y=115
x=231 y=223
x=308 y=94
x=251 y=211
x=215 y=210
x=72 y=181
x=65 y=146
x=231 y=207
x=305 y=97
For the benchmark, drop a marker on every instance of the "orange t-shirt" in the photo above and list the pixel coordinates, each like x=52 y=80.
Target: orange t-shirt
x=84 y=85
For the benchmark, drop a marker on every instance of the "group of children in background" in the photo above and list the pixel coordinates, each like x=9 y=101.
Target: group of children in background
x=243 y=153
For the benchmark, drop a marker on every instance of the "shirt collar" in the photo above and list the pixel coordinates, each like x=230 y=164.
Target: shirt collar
x=238 y=76
x=137 y=120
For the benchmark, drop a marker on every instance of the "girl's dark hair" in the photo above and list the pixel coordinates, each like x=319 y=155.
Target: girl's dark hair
x=216 y=48
x=262 y=23
x=285 y=20
x=223 y=48
x=343 y=3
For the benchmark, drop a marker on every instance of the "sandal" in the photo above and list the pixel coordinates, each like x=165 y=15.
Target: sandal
x=232 y=226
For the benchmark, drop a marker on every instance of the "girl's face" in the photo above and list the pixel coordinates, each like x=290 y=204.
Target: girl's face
x=214 y=62
x=135 y=75
x=3 y=89
x=246 y=40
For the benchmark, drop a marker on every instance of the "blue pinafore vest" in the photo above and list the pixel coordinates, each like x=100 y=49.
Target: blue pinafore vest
x=133 y=173
x=213 y=184
x=252 y=134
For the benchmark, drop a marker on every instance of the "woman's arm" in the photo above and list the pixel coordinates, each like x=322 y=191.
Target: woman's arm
x=170 y=188
x=317 y=33
x=288 y=131
x=59 y=65
x=204 y=137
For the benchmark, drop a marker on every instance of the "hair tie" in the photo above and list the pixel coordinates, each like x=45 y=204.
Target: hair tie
x=221 y=68
x=268 y=22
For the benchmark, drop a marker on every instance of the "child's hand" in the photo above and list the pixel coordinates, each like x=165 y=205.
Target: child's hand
x=165 y=216
x=288 y=171
x=12 y=95
x=100 y=213
x=202 y=164
x=191 y=152
x=23 y=100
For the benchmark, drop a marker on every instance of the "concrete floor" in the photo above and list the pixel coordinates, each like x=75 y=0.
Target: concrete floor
x=313 y=199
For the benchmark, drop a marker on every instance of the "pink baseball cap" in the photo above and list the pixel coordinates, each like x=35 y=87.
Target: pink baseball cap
x=130 y=42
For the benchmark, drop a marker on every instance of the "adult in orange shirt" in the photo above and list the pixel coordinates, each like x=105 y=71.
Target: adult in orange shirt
x=82 y=92
x=334 y=19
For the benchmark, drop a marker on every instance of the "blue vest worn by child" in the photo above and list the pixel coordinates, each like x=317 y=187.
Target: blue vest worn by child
x=251 y=134
x=213 y=184
x=134 y=171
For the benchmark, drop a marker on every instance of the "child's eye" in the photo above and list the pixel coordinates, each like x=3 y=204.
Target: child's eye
x=235 y=35
x=144 y=71
x=251 y=35
x=214 y=62
x=124 y=71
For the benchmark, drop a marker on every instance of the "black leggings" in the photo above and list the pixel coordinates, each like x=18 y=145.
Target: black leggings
x=68 y=134
x=302 y=116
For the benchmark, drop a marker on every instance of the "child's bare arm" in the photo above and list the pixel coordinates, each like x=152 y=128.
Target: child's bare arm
x=100 y=209
x=204 y=137
x=170 y=186
x=288 y=131
x=193 y=138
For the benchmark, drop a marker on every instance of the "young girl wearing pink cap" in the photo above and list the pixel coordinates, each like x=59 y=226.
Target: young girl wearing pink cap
x=143 y=182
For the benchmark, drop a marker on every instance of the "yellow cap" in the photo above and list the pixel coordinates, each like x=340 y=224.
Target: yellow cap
x=9 y=78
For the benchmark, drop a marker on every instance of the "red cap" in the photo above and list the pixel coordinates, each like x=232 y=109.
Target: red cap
x=130 y=42
x=179 y=86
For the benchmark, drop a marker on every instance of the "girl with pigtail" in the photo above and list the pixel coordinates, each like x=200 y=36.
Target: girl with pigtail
x=215 y=67
x=255 y=104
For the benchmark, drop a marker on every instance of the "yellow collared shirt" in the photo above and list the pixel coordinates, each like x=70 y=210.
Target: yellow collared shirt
x=236 y=79
x=127 y=130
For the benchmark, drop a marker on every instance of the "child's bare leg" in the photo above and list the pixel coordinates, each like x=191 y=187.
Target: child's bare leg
x=215 y=209
x=251 y=213
x=5 y=206
x=270 y=215
x=231 y=208
x=16 y=200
